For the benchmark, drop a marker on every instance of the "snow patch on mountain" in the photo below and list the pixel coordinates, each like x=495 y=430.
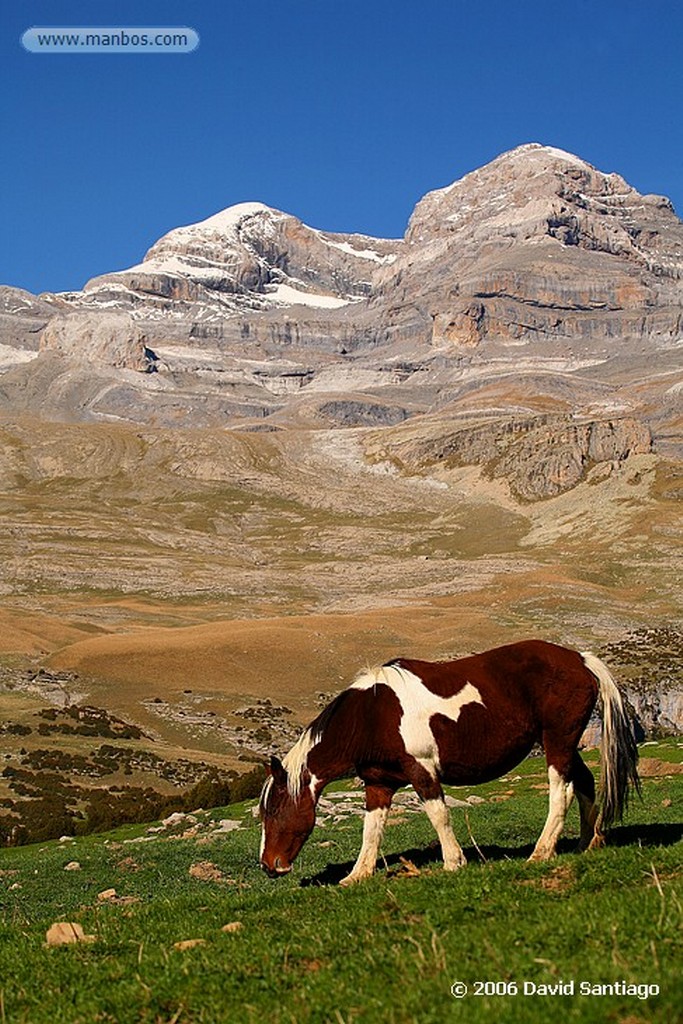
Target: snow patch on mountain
x=226 y=222
x=285 y=295
x=364 y=254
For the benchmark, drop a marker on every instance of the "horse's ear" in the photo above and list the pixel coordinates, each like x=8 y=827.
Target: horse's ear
x=278 y=771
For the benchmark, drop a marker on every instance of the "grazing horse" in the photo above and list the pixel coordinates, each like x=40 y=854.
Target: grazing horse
x=461 y=722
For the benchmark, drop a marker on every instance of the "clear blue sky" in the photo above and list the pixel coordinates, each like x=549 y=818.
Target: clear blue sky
x=343 y=112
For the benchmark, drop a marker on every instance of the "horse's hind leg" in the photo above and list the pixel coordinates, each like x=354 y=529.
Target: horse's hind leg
x=584 y=787
x=561 y=793
x=377 y=803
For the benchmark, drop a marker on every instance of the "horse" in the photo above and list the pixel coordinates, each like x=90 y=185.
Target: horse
x=459 y=722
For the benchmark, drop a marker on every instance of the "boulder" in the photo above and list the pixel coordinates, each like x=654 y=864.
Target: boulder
x=110 y=339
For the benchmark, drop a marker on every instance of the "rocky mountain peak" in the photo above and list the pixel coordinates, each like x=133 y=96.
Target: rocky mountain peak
x=522 y=250
x=517 y=194
x=248 y=256
x=213 y=238
x=536 y=283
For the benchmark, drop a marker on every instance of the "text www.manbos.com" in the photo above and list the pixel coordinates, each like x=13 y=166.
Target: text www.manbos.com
x=110 y=40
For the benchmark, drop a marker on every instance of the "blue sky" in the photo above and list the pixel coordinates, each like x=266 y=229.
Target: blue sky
x=344 y=113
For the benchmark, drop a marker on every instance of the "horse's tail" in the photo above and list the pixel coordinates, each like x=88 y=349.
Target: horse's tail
x=618 y=750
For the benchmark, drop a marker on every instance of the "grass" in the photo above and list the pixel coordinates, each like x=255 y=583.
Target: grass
x=384 y=952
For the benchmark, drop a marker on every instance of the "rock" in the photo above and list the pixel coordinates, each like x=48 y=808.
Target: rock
x=232 y=927
x=352 y=413
x=174 y=819
x=670 y=718
x=452 y=801
x=206 y=871
x=73 y=865
x=227 y=825
x=658 y=709
x=591 y=735
x=647 y=664
x=112 y=339
x=461 y=327
x=22 y=319
x=128 y=864
x=188 y=944
x=107 y=895
x=65 y=932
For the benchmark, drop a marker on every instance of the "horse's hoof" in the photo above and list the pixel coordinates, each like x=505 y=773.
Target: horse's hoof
x=353 y=879
x=456 y=865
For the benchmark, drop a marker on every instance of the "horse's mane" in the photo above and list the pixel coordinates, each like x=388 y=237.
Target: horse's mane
x=295 y=761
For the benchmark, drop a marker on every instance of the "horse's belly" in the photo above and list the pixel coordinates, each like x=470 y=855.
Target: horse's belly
x=471 y=774
x=477 y=748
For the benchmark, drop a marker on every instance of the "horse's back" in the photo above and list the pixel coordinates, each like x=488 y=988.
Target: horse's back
x=529 y=670
x=526 y=692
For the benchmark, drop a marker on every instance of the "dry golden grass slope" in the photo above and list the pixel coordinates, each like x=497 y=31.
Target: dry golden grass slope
x=243 y=566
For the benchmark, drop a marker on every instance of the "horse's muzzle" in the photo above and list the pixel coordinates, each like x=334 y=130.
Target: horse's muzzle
x=276 y=870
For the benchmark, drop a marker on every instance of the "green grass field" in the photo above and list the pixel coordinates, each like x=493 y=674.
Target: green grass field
x=384 y=952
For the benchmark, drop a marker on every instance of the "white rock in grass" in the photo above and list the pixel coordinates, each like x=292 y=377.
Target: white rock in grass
x=61 y=933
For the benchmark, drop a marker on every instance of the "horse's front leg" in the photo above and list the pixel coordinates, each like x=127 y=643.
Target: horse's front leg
x=429 y=790
x=377 y=803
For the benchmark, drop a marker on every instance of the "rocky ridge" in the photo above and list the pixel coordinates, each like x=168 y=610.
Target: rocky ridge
x=540 y=457
x=112 y=339
x=536 y=284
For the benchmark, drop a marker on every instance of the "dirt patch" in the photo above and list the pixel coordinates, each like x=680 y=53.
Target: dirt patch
x=557 y=880
x=649 y=767
x=207 y=871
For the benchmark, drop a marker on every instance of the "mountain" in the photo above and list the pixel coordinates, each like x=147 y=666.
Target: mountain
x=194 y=538
x=534 y=286
x=246 y=258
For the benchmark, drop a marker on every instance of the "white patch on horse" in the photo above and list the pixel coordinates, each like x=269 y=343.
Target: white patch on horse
x=560 y=796
x=439 y=815
x=418 y=704
x=373 y=830
x=265 y=793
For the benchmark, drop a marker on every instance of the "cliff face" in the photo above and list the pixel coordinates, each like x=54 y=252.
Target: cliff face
x=111 y=339
x=534 y=285
x=539 y=247
x=649 y=665
x=539 y=457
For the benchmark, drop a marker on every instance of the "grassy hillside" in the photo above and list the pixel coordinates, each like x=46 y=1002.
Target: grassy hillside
x=174 y=605
x=385 y=952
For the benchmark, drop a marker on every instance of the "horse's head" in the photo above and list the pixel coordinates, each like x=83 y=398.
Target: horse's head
x=287 y=818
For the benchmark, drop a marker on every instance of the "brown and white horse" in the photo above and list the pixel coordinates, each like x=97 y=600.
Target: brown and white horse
x=461 y=722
